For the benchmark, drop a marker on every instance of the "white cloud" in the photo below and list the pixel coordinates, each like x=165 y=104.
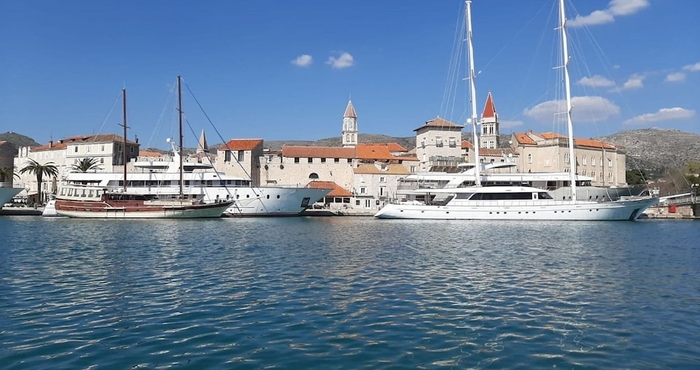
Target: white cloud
x=510 y=124
x=345 y=60
x=664 y=114
x=692 y=67
x=616 y=8
x=584 y=109
x=596 y=81
x=635 y=82
x=675 y=77
x=303 y=60
x=626 y=7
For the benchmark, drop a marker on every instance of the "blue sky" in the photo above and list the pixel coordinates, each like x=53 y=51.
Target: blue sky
x=284 y=70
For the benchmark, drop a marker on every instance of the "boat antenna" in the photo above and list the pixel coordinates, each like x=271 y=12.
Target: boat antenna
x=472 y=93
x=567 y=88
x=179 y=109
x=124 y=156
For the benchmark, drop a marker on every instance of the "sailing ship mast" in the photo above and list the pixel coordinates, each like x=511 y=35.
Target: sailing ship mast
x=179 y=109
x=472 y=93
x=567 y=88
x=124 y=154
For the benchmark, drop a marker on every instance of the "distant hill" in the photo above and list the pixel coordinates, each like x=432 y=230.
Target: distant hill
x=18 y=139
x=657 y=149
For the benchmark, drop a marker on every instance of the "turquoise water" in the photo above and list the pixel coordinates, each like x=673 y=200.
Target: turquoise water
x=348 y=293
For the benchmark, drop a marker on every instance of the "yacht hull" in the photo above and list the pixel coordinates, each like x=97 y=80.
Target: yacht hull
x=623 y=210
x=106 y=211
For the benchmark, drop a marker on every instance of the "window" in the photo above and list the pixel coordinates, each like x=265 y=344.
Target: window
x=336 y=160
x=296 y=159
x=313 y=176
x=227 y=156
x=413 y=169
x=131 y=150
x=241 y=155
x=88 y=148
x=593 y=174
x=310 y=160
x=609 y=162
x=381 y=191
x=323 y=160
x=75 y=150
x=529 y=158
x=593 y=161
x=452 y=142
x=438 y=141
x=382 y=179
x=349 y=160
x=584 y=160
x=422 y=143
x=363 y=190
x=566 y=157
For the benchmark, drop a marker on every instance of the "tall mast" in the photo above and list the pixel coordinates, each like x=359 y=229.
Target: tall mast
x=472 y=93
x=179 y=109
x=124 y=156
x=567 y=88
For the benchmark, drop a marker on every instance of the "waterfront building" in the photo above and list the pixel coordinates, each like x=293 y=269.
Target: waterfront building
x=548 y=152
x=107 y=149
x=437 y=144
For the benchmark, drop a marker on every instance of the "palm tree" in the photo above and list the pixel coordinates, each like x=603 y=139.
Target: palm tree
x=38 y=169
x=86 y=164
x=7 y=173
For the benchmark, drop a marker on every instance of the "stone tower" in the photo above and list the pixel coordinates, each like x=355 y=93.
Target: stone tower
x=350 y=126
x=489 y=125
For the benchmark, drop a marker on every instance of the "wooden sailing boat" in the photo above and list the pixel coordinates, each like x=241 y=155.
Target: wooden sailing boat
x=517 y=202
x=95 y=202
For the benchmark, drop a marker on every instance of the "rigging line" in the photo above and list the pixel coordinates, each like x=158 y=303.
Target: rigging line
x=453 y=70
x=487 y=64
x=218 y=174
x=219 y=135
x=110 y=113
x=162 y=113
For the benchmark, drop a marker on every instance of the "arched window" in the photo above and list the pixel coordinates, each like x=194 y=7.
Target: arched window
x=313 y=176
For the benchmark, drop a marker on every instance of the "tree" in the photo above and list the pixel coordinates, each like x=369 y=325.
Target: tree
x=636 y=177
x=86 y=164
x=7 y=173
x=39 y=170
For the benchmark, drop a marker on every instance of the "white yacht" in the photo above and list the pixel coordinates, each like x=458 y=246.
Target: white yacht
x=513 y=202
x=412 y=187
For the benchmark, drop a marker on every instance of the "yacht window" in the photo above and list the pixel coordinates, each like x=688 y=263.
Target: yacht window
x=543 y=195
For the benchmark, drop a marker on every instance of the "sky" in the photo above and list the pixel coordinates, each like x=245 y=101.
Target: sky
x=285 y=70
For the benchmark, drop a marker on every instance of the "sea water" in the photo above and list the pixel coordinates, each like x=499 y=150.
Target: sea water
x=348 y=293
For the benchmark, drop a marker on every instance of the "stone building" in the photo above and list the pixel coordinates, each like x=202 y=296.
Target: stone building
x=549 y=152
x=107 y=149
x=438 y=144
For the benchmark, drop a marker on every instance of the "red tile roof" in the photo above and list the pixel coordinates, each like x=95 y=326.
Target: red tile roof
x=377 y=152
x=290 y=151
x=393 y=147
x=87 y=139
x=147 y=153
x=337 y=191
x=489 y=108
x=590 y=143
x=467 y=145
x=524 y=139
x=241 y=144
x=439 y=122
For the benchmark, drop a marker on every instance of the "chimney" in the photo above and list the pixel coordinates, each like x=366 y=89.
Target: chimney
x=50 y=143
x=136 y=138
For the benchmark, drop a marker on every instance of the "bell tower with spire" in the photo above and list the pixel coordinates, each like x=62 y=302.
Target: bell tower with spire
x=350 y=126
x=489 y=125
